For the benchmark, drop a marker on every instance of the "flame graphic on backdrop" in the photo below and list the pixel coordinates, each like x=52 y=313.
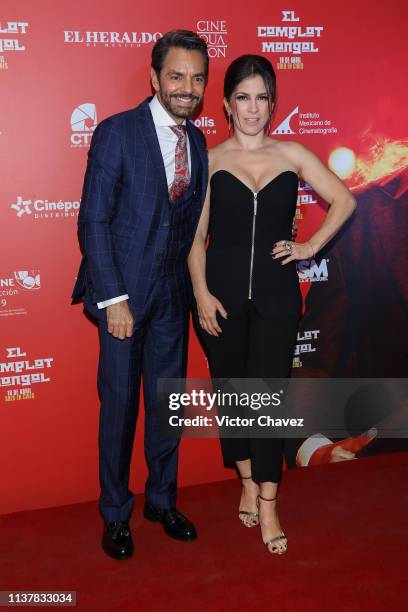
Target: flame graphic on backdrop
x=384 y=157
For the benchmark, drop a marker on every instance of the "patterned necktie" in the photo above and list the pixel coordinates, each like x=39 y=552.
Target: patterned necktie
x=182 y=174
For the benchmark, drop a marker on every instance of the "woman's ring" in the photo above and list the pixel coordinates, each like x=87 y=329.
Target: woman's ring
x=289 y=247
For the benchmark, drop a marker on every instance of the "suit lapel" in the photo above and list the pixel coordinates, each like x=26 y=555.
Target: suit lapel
x=149 y=134
x=195 y=139
x=195 y=160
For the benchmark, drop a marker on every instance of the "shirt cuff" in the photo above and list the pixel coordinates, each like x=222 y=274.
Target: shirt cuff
x=309 y=446
x=115 y=300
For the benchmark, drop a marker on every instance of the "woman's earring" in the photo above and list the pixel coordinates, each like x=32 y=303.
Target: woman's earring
x=268 y=127
x=229 y=123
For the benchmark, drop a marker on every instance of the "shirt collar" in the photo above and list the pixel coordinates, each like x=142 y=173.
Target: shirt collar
x=161 y=117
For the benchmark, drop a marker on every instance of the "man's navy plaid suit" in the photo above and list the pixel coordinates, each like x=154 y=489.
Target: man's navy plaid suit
x=136 y=242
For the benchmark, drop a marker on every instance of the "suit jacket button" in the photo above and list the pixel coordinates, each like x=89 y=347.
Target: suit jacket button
x=165 y=223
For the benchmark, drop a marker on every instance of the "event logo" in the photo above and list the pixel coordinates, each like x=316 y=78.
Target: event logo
x=18 y=374
x=311 y=271
x=214 y=33
x=10 y=40
x=206 y=124
x=83 y=122
x=305 y=196
x=305 y=123
x=45 y=209
x=111 y=39
x=290 y=40
x=11 y=43
x=304 y=345
x=11 y=288
x=28 y=279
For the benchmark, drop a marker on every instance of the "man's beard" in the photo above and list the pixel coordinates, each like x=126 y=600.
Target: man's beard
x=171 y=105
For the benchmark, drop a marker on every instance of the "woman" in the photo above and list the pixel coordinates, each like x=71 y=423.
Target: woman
x=248 y=274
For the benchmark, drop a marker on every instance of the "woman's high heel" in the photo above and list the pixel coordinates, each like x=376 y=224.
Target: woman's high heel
x=281 y=537
x=254 y=515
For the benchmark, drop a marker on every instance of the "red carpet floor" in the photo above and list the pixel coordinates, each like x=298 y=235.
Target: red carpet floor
x=348 y=549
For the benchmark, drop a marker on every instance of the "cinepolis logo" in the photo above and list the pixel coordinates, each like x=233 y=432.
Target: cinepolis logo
x=83 y=122
x=206 y=125
x=214 y=33
x=111 y=39
x=22 y=207
x=39 y=209
x=13 y=28
x=307 y=123
x=311 y=271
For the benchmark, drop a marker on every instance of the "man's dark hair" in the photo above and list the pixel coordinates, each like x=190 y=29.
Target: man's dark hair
x=183 y=39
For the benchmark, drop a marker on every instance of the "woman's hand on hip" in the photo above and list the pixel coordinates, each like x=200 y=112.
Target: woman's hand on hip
x=292 y=251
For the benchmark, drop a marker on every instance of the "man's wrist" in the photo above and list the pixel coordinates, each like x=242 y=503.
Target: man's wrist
x=115 y=300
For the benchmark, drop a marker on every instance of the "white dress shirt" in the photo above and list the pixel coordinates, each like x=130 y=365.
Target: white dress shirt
x=167 y=141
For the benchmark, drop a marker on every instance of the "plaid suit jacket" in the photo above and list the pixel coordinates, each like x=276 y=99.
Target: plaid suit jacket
x=123 y=223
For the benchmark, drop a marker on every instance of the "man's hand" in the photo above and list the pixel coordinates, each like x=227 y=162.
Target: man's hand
x=120 y=320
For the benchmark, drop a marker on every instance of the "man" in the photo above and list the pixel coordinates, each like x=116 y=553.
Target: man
x=143 y=193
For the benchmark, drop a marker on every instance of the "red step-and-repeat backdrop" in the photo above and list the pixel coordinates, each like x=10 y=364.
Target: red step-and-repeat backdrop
x=64 y=66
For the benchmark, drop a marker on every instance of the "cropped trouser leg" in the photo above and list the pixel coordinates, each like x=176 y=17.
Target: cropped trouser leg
x=251 y=346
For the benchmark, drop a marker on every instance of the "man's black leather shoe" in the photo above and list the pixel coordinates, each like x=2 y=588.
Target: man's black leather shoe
x=117 y=540
x=174 y=523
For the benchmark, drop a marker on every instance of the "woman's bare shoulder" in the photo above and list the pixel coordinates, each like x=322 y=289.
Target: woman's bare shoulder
x=294 y=152
x=289 y=147
x=217 y=154
x=220 y=147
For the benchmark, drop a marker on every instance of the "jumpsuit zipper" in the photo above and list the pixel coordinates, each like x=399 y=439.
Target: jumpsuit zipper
x=252 y=244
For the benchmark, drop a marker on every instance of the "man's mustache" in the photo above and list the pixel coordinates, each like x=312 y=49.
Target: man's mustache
x=183 y=95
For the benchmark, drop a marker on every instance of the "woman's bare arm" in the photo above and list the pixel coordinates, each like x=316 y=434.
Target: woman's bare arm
x=207 y=304
x=329 y=187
